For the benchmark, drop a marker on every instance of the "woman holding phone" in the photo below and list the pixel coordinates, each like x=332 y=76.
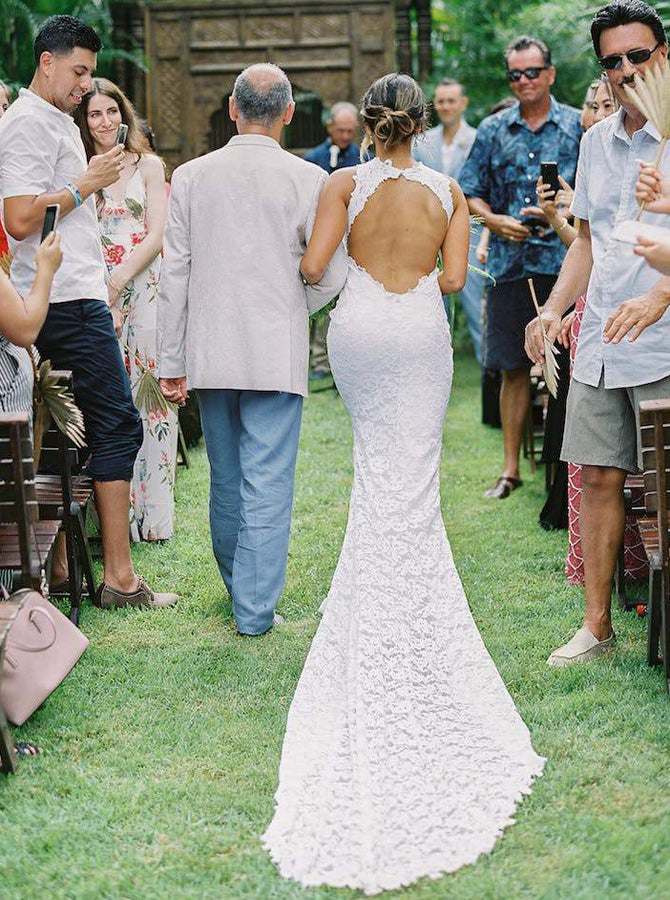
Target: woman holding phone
x=132 y=214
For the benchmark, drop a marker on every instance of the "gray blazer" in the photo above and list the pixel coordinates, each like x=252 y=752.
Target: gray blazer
x=428 y=148
x=232 y=309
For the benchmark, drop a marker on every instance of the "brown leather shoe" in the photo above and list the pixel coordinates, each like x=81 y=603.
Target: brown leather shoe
x=503 y=487
x=109 y=598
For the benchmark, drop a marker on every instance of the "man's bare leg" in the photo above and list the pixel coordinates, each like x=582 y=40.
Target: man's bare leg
x=601 y=524
x=514 y=402
x=112 y=499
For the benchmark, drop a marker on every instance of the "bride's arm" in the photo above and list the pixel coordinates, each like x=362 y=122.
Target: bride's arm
x=329 y=226
x=456 y=245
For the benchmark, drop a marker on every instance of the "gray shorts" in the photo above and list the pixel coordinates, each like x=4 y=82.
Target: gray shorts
x=601 y=423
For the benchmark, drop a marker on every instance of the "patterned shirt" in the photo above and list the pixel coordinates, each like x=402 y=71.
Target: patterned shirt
x=503 y=168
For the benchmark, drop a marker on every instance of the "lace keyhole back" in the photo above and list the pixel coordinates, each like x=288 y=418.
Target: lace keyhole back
x=391 y=237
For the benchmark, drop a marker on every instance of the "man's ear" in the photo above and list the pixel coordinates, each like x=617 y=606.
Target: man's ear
x=232 y=110
x=466 y=101
x=552 y=74
x=46 y=63
x=288 y=115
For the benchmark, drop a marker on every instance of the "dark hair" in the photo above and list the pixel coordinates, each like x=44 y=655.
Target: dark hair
x=61 y=34
x=525 y=43
x=505 y=103
x=394 y=108
x=148 y=133
x=626 y=12
x=135 y=142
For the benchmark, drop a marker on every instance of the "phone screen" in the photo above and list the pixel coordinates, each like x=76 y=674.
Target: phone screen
x=50 y=219
x=549 y=172
x=122 y=134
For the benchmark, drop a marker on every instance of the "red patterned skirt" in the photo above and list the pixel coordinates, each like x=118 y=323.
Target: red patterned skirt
x=634 y=555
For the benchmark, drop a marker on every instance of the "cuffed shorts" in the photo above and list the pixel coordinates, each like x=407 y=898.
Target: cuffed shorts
x=509 y=308
x=601 y=423
x=79 y=335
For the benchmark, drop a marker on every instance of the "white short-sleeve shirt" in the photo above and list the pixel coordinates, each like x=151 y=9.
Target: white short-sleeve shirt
x=604 y=196
x=41 y=151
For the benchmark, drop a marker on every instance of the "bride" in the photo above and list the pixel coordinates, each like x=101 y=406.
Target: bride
x=404 y=754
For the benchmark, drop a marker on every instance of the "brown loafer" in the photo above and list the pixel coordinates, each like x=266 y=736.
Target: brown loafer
x=503 y=487
x=109 y=598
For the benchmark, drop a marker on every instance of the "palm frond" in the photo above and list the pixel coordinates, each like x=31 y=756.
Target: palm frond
x=58 y=401
x=651 y=96
x=550 y=369
x=150 y=397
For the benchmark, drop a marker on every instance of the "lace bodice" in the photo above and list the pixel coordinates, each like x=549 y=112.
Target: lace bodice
x=370 y=175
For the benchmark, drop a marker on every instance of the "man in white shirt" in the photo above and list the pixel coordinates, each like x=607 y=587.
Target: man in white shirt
x=623 y=353
x=43 y=162
x=445 y=149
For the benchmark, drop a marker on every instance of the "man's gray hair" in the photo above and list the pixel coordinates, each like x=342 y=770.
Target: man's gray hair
x=340 y=107
x=262 y=93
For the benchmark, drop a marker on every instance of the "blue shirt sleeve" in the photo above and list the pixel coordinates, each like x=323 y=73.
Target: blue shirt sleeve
x=475 y=177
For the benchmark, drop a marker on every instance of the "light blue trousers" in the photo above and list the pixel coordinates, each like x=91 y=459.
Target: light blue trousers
x=470 y=297
x=252 y=445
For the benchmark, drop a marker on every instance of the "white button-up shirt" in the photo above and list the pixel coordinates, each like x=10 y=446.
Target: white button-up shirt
x=604 y=196
x=41 y=151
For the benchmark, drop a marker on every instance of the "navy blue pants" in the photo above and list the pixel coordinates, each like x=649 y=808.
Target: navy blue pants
x=79 y=335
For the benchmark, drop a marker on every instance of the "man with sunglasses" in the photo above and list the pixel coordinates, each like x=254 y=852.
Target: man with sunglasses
x=499 y=181
x=623 y=354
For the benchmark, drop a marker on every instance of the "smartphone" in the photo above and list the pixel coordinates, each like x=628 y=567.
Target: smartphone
x=549 y=173
x=50 y=220
x=122 y=134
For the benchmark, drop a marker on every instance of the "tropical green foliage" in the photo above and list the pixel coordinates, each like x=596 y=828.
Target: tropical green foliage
x=20 y=20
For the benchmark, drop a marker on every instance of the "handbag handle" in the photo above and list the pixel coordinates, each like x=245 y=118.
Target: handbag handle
x=32 y=616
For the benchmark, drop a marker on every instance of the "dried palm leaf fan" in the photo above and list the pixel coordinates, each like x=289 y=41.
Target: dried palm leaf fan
x=52 y=400
x=149 y=396
x=549 y=366
x=651 y=96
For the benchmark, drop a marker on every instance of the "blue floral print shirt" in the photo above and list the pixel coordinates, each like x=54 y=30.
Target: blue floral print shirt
x=503 y=168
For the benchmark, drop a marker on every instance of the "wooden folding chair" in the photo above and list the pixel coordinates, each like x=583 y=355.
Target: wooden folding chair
x=655 y=442
x=66 y=497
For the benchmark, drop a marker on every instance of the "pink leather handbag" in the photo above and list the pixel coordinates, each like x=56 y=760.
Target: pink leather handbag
x=41 y=648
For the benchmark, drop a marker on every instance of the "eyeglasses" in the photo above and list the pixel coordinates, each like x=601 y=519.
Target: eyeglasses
x=635 y=57
x=531 y=73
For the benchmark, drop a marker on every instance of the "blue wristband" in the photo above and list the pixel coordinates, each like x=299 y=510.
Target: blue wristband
x=75 y=193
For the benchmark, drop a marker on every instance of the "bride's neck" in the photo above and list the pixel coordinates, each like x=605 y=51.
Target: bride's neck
x=400 y=157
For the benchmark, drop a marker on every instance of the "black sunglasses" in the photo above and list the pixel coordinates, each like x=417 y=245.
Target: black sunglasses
x=635 y=57
x=531 y=73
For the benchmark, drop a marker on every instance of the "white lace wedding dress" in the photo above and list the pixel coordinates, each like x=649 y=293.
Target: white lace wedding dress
x=404 y=754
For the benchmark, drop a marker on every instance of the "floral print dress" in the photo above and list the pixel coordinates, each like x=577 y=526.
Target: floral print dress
x=122 y=227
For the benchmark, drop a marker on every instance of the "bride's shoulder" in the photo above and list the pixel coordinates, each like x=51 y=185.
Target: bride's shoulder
x=342 y=181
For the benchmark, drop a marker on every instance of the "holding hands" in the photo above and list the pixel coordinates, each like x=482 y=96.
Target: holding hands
x=174 y=389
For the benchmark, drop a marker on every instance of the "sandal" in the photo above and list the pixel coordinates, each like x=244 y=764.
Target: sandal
x=503 y=487
x=25 y=748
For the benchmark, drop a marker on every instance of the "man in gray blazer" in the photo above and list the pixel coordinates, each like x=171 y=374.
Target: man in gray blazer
x=445 y=148
x=233 y=324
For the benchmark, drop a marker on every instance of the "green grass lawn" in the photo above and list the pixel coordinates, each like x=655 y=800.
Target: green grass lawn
x=161 y=748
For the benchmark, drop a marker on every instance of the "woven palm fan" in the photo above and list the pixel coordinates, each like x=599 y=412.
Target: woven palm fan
x=651 y=96
x=549 y=366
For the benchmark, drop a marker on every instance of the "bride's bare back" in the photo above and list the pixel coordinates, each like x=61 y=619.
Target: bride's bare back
x=397 y=236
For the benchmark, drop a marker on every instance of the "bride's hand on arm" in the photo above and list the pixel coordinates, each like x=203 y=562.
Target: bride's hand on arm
x=456 y=245
x=329 y=225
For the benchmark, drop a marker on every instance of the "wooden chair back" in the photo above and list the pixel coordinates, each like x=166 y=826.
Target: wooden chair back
x=18 y=502
x=655 y=440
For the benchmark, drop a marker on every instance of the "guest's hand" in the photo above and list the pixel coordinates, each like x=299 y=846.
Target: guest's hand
x=534 y=343
x=49 y=255
x=117 y=319
x=508 y=228
x=566 y=194
x=174 y=389
x=653 y=190
x=657 y=255
x=632 y=316
x=104 y=169
x=566 y=328
x=482 y=254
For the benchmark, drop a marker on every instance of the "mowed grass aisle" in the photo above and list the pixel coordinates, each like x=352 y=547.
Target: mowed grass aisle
x=162 y=747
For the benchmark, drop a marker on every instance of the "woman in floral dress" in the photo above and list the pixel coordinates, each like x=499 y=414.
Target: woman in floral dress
x=132 y=216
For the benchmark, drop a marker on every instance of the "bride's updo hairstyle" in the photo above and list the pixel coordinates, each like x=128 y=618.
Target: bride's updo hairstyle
x=394 y=109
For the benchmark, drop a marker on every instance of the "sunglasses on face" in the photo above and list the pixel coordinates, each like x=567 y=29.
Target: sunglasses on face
x=635 y=57
x=531 y=73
